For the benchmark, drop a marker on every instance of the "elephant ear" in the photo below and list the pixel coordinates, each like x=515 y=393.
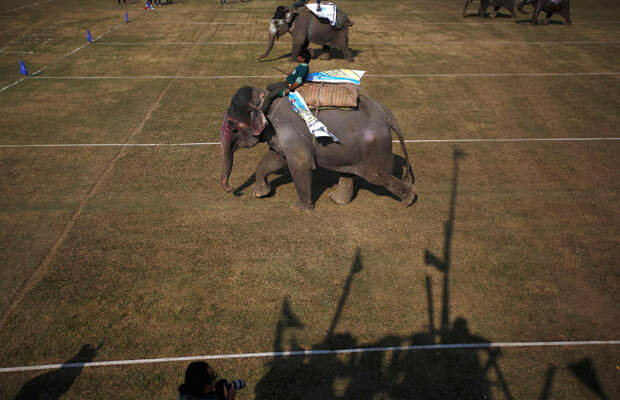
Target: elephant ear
x=258 y=121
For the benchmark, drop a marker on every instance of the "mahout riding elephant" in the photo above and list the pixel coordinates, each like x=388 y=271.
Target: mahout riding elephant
x=364 y=149
x=306 y=28
x=562 y=7
x=496 y=4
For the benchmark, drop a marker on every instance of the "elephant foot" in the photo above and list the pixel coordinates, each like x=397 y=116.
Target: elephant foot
x=494 y=14
x=410 y=198
x=261 y=190
x=325 y=55
x=545 y=21
x=339 y=198
x=299 y=206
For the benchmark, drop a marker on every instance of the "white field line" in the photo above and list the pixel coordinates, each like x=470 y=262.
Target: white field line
x=542 y=74
x=400 y=42
x=312 y=353
x=508 y=140
x=34 y=74
x=198 y=23
x=25 y=6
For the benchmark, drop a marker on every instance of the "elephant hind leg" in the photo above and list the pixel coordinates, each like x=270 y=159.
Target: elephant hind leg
x=404 y=191
x=547 y=18
x=565 y=13
x=344 y=191
x=325 y=55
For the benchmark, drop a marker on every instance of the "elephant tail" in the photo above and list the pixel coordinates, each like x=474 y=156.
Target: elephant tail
x=408 y=174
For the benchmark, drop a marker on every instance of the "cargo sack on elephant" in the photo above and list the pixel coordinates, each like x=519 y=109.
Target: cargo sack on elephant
x=328 y=95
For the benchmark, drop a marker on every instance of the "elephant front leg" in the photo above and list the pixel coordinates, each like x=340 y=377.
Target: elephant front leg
x=467 y=2
x=268 y=165
x=325 y=53
x=302 y=178
x=482 y=11
x=344 y=191
x=298 y=47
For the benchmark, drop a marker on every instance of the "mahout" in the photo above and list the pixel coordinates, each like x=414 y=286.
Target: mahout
x=364 y=148
x=496 y=4
x=561 y=7
x=306 y=28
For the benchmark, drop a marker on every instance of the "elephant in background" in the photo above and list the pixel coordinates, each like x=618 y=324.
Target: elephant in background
x=497 y=4
x=562 y=7
x=306 y=28
x=365 y=147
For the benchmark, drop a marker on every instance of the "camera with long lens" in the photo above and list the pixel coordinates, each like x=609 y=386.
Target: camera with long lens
x=223 y=387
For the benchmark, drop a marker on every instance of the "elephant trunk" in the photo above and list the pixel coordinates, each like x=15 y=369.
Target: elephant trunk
x=227 y=157
x=272 y=40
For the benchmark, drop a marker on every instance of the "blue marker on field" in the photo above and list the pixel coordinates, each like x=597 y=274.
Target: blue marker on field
x=88 y=35
x=22 y=67
x=126 y=17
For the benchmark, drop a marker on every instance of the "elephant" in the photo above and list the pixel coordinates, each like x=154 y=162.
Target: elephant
x=497 y=4
x=562 y=7
x=306 y=28
x=364 y=147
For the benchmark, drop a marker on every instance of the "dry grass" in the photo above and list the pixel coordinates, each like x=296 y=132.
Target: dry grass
x=161 y=262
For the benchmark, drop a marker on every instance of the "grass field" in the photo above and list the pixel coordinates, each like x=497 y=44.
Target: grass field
x=132 y=252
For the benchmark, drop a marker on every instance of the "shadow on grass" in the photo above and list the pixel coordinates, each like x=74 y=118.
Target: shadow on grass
x=322 y=180
x=432 y=373
x=53 y=385
x=427 y=374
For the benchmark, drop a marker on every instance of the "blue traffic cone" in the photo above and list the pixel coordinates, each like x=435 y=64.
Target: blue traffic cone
x=22 y=67
x=88 y=34
x=126 y=17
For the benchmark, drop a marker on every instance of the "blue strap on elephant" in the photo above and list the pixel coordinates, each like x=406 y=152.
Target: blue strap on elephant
x=316 y=127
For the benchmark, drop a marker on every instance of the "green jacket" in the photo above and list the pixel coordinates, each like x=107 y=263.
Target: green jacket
x=299 y=74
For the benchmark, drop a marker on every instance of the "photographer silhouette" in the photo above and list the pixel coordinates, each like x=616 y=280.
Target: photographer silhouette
x=200 y=383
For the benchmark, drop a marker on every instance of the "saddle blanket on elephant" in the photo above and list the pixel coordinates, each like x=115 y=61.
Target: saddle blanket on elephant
x=329 y=95
x=328 y=11
x=316 y=127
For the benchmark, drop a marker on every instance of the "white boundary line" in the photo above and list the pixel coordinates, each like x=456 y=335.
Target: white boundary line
x=411 y=43
x=4 y=146
x=25 y=6
x=367 y=75
x=310 y=353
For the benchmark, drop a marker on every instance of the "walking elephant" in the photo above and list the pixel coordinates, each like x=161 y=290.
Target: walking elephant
x=562 y=7
x=364 y=149
x=496 y=4
x=306 y=28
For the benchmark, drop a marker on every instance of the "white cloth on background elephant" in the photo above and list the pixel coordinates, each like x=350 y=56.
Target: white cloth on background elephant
x=328 y=11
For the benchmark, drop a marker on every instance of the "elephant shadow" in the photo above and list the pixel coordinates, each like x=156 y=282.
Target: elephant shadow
x=323 y=179
x=316 y=53
x=529 y=20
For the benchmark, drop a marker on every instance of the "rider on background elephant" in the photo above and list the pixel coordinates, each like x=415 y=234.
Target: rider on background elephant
x=562 y=7
x=364 y=147
x=306 y=28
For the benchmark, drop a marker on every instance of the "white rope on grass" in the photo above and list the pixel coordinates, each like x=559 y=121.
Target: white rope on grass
x=507 y=140
x=311 y=353
x=25 y=6
x=399 y=42
x=472 y=75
